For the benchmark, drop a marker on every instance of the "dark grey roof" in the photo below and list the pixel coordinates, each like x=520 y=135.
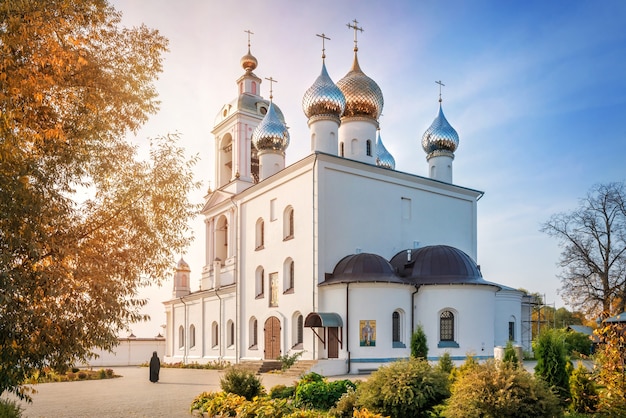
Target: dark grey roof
x=363 y=267
x=437 y=264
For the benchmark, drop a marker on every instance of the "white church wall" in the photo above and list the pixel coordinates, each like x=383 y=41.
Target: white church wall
x=370 y=305
x=386 y=215
x=473 y=307
x=508 y=309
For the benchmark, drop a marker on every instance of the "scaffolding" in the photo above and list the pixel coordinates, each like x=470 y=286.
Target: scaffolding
x=535 y=318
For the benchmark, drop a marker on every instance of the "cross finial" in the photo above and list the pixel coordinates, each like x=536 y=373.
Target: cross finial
x=271 y=80
x=440 y=85
x=356 y=28
x=324 y=37
x=249 y=33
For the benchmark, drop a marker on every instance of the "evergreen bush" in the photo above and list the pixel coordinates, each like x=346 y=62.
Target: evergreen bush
x=492 y=390
x=10 y=409
x=321 y=394
x=583 y=390
x=510 y=355
x=552 y=362
x=407 y=388
x=241 y=382
x=419 y=344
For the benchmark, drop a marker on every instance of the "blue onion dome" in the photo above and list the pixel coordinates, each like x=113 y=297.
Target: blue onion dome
x=249 y=62
x=383 y=157
x=323 y=98
x=363 y=96
x=271 y=134
x=440 y=138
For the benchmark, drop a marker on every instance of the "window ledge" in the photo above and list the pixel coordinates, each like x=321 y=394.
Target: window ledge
x=253 y=347
x=259 y=296
x=288 y=237
x=288 y=291
x=259 y=248
x=398 y=344
x=448 y=344
x=298 y=346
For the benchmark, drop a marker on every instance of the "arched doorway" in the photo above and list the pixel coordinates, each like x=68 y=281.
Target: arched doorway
x=272 y=338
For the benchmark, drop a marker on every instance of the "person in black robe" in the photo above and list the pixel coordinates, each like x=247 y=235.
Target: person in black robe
x=155 y=367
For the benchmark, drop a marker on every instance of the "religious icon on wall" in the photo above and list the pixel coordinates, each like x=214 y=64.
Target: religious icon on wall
x=367 y=333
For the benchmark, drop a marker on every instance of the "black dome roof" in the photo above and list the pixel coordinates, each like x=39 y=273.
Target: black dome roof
x=363 y=267
x=437 y=264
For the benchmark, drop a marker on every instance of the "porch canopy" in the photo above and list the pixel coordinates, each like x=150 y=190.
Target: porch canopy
x=323 y=320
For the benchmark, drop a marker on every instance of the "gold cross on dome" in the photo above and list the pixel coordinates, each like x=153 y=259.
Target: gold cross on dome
x=324 y=37
x=271 y=80
x=249 y=33
x=440 y=85
x=356 y=28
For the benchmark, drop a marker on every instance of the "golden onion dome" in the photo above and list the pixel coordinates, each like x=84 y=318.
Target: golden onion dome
x=249 y=62
x=323 y=97
x=271 y=134
x=363 y=96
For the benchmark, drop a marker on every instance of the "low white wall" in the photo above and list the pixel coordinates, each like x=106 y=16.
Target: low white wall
x=129 y=352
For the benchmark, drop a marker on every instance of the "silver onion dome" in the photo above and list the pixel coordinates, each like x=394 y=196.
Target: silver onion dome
x=363 y=96
x=383 y=157
x=323 y=97
x=440 y=138
x=271 y=134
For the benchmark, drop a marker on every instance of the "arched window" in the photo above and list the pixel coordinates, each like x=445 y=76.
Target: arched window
x=446 y=326
x=181 y=336
x=254 y=333
x=288 y=276
x=215 y=334
x=341 y=149
x=260 y=234
x=297 y=330
x=512 y=328
x=253 y=87
x=354 y=146
x=395 y=327
x=192 y=336
x=368 y=147
x=221 y=239
x=225 y=160
x=288 y=223
x=230 y=337
x=260 y=282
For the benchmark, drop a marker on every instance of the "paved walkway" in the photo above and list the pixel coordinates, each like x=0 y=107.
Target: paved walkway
x=131 y=395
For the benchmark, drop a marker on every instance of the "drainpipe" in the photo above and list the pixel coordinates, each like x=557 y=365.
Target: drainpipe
x=219 y=326
x=185 y=321
x=348 y=324
x=315 y=250
x=417 y=288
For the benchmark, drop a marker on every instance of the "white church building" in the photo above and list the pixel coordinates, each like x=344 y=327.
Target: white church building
x=338 y=255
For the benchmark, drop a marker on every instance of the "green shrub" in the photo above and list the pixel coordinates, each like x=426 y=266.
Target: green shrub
x=583 y=390
x=345 y=406
x=445 y=363
x=494 y=390
x=510 y=355
x=552 y=363
x=265 y=407
x=82 y=375
x=241 y=382
x=288 y=360
x=9 y=409
x=407 y=388
x=282 y=392
x=419 y=344
x=577 y=343
x=321 y=394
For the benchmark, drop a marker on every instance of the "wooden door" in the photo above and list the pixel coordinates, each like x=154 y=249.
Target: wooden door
x=272 y=338
x=333 y=342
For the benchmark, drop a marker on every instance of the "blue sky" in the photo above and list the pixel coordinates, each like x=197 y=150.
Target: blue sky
x=535 y=89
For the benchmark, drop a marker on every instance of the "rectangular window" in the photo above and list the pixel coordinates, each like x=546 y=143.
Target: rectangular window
x=273 y=210
x=511 y=331
x=273 y=290
x=406 y=208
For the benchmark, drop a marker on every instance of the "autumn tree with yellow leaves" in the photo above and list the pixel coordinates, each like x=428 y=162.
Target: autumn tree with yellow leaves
x=85 y=223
